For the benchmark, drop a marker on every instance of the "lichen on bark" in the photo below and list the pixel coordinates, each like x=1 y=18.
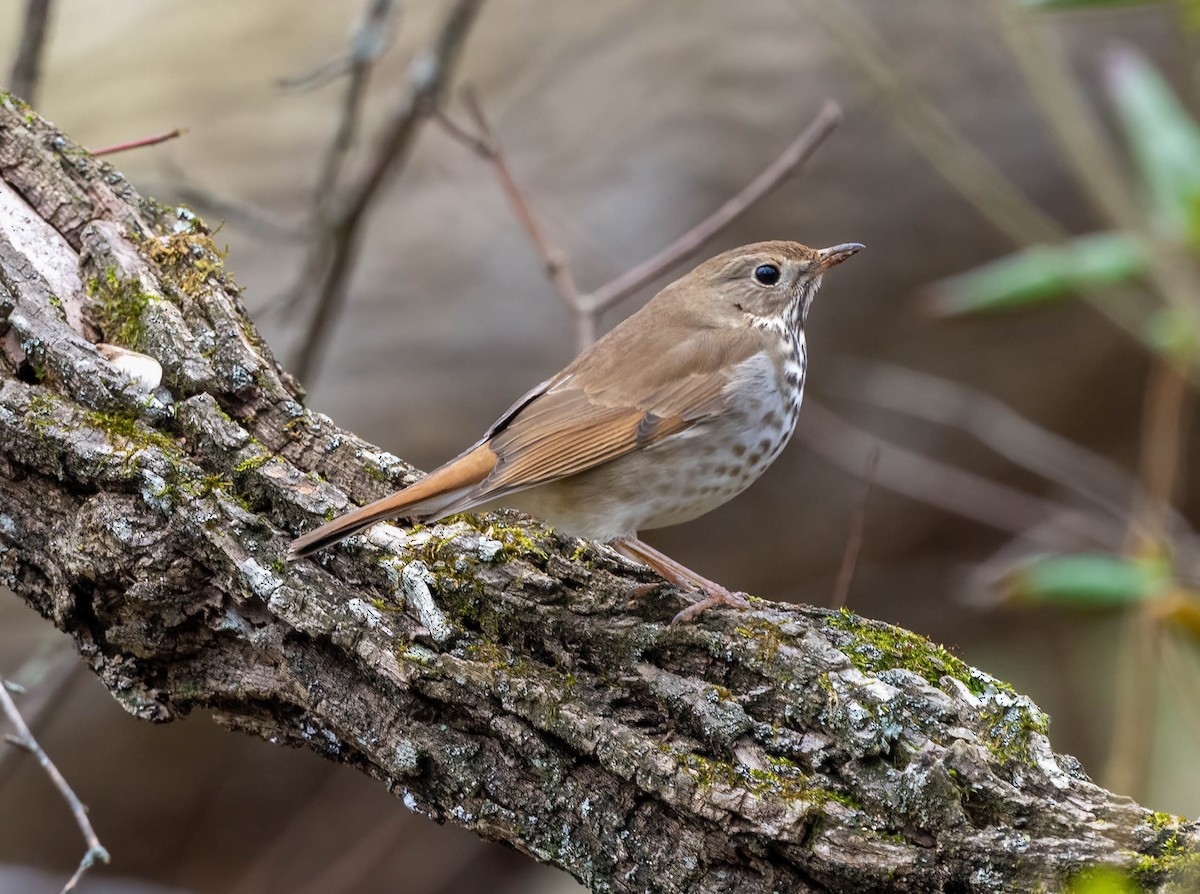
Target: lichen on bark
x=489 y=671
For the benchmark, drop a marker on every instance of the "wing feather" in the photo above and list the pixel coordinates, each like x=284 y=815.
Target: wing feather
x=570 y=427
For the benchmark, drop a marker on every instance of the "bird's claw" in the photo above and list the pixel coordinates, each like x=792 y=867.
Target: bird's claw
x=714 y=597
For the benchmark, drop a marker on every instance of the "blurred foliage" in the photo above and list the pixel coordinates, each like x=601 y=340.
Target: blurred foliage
x=1042 y=274
x=1142 y=271
x=1086 y=580
x=1103 y=881
x=1164 y=146
x=1164 y=143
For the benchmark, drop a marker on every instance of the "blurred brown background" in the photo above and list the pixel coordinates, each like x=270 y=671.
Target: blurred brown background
x=625 y=122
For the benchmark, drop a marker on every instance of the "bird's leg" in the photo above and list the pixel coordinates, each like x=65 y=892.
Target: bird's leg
x=681 y=576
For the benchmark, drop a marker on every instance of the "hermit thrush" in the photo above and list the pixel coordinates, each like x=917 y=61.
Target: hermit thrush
x=672 y=413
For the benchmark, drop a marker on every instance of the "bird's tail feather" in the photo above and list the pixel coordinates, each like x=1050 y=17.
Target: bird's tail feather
x=426 y=499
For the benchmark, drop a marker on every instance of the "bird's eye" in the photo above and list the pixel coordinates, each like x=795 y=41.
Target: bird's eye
x=766 y=274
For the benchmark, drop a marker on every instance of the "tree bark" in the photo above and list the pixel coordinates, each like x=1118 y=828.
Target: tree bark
x=487 y=670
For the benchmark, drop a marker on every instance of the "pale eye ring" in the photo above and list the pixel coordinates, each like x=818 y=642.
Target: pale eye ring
x=766 y=274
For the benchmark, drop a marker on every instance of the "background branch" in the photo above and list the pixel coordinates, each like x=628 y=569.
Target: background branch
x=335 y=241
x=588 y=307
x=24 y=740
x=27 y=67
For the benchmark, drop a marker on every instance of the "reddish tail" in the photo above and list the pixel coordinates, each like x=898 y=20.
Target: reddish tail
x=422 y=500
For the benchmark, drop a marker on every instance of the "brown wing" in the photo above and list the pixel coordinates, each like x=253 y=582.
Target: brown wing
x=643 y=388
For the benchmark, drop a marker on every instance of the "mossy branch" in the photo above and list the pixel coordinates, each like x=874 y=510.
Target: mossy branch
x=490 y=672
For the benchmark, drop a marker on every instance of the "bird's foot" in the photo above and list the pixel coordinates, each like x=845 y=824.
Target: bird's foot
x=719 y=597
x=681 y=576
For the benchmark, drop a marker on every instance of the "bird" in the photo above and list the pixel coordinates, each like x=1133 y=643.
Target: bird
x=675 y=411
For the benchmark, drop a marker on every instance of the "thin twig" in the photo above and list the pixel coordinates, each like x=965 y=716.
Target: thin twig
x=144 y=141
x=27 y=67
x=557 y=266
x=589 y=306
x=372 y=37
x=994 y=424
x=370 y=40
x=47 y=676
x=487 y=144
x=24 y=739
x=795 y=155
x=337 y=245
x=854 y=542
x=941 y=485
x=1165 y=418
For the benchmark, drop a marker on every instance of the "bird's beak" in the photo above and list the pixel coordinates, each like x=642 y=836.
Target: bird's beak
x=835 y=254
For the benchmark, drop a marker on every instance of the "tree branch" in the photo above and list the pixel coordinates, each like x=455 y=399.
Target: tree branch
x=490 y=672
x=335 y=248
x=27 y=67
x=24 y=740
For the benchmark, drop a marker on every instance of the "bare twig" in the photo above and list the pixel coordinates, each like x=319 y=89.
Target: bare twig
x=854 y=542
x=1165 y=419
x=796 y=154
x=993 y=423
x=24 y=740
x=937 y=484
x=47 y=676
x=144 y=141
x=27 y=67
x=337 y=242
x=588 y=307
x=558 y=269
x=370 y=40
x=372 y=37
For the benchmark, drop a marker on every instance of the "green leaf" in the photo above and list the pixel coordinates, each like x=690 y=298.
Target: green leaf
x=1162 y=137
x=1041 y=274
x=1084 y=580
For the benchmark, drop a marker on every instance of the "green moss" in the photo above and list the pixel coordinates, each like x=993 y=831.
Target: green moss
x=1009 y=730
x=516 y=543
x=767 y=636
x=1159 y=820
x=206 y=485
x=1169 y=861
x=877 y=647
x=783 y=781
x=130 y=429
x=252 y=462
x=119 y=307
x=188 y=259
x=39 y=415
